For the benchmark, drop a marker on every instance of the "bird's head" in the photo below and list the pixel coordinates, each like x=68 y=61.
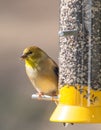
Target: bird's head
x=33 y=55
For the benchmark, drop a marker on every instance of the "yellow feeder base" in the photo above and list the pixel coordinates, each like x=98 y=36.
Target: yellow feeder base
x=76 y=114
x=73 y=107
x=70 y=114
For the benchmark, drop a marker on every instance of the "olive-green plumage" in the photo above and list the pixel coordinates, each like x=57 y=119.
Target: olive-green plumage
x=41 y=70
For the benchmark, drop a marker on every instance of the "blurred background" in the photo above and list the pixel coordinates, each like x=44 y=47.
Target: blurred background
x=24 y=23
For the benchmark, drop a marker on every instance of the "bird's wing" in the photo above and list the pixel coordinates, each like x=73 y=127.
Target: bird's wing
x=56 y=70
x=55 y=66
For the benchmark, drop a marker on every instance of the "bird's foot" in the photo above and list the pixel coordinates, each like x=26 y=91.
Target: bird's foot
x=40 y=95
x=53 y=98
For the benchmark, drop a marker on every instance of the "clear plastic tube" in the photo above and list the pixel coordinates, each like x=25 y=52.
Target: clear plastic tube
x=80 y=51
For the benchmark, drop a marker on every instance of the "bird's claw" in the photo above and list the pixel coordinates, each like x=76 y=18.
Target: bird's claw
x=40 y=95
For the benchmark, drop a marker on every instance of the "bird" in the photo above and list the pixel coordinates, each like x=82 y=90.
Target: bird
x=42 y=71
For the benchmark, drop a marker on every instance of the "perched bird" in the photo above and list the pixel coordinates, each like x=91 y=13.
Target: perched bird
x=41 y=70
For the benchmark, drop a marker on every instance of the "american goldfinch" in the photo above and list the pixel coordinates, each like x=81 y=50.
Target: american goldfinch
x=41 y=70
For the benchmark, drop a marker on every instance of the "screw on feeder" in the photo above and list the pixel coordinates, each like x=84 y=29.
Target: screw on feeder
x=68 y=32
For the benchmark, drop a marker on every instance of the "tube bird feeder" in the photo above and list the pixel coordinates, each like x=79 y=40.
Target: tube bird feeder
x=79 y=62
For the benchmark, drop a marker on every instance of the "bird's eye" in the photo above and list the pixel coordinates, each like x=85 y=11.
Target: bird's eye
x=30 y=52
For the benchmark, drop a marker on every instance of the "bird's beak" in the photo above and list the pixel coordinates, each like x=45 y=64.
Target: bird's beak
x=24 y=56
